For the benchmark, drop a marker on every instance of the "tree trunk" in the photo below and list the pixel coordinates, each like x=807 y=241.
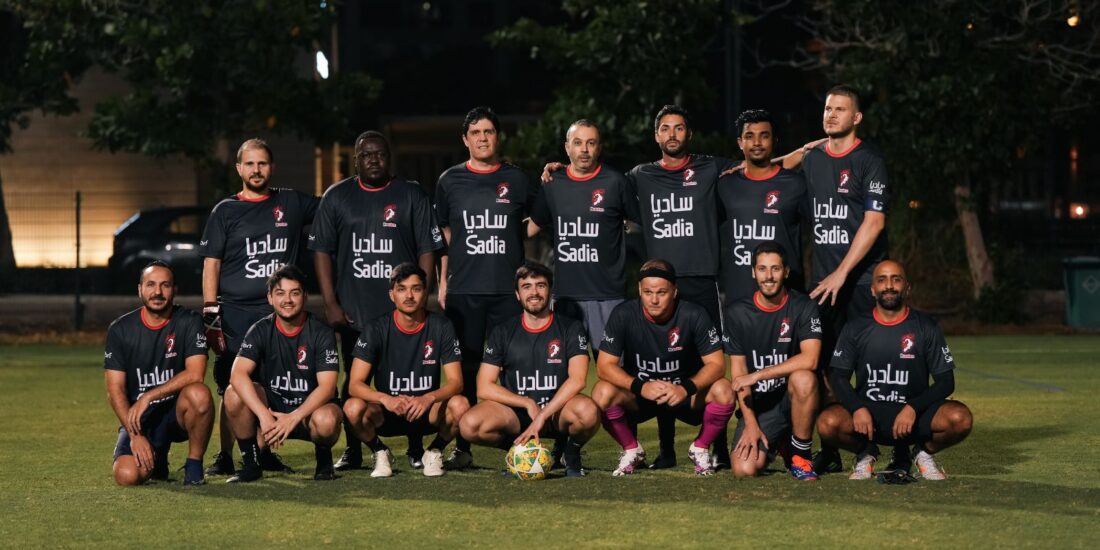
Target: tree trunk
x=981 y=269
x=7 y=251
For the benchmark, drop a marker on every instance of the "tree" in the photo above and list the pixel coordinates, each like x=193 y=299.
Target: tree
x=959 y=90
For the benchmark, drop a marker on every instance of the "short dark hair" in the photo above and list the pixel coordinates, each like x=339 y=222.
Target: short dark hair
x=479 y=113
x=846 y=91
x=372 y=134
x=752 y=116
x=534 y=269
x=156 y=263
x=671 y=109
x=404 y=270
x=769 y=247
x=289 y=272
x=255 y=143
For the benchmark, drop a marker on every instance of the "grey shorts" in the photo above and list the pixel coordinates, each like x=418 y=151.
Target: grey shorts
x=593 y=313
x=774 y=421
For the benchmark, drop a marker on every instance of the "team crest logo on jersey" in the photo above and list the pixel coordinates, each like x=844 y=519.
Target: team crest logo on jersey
x=597 y=200
x=389 y=215
x=908 y=346
x=785 y=330
x=674 y=339
x=771 y=201
x=845 y=177
x=428 y=352
x=279 y=215
x=689 y=178
x=553 y=351
x=170 y=346
x=503 y=188
x=302 y=358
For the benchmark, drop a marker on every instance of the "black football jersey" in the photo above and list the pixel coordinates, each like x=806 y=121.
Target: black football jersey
x=587 y=218
x=253 y=239
x=842 y=187
x=768 y=336
x=892 y=361
x=370 y=231
x=535 y=363
x=758 y=210
x=408 y=363
x=287 y=363
x=485 y=211
x=679 y=211
x=151 y=355
x=671 y=351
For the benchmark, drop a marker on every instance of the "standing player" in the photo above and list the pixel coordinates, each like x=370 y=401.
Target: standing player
x=781 y=330
x=247 y=238
x=534 y=370
x=370 y=223
x=763 y=202
x=284 y=380
x=586 y=204
x=406 y=354
x=893 y=353
x=481 y=205
x=661 y=355
x=154 y=365
x=849 y=192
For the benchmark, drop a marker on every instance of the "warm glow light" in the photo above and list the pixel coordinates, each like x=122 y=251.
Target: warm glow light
x=1073 y=20
x=914 y=204
x=1078 y=211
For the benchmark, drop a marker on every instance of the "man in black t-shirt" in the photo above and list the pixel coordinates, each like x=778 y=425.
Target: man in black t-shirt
x=892 y=353
x=762 y=202
x=781 y=330
x=247 y=238
x=284 y=380
x=534 y=370
x=586 y=204
x=661 y=355
x=407 y=353
x=367 y=224
x=154 y=364
x=481 y=205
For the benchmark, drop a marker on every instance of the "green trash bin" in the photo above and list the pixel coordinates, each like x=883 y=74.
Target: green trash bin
x=1082 y=291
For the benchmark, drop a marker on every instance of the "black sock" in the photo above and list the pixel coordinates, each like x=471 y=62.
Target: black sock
x=323 y=456
x=250 y=452
x=800 y=447
x=572 y=453
x=869 y=448
x=666 y=434
x=438 y=444
x=460 y=443
x=376 y=445
x=354 y=445
x=416 y=446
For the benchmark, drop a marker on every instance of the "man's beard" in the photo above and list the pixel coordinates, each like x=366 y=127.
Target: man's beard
x=890 y=300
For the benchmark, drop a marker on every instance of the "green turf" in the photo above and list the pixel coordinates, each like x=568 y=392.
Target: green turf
x=1028 y=476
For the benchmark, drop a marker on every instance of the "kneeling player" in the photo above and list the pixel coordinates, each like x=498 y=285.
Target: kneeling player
x=893 y=352
x=673 y=364
x=155 y=362
x=284 y=380
x=405 y=353
x=781 y=329
x=530 y=380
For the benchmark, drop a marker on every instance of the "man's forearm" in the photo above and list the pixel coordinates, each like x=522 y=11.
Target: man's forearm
x=322 y=262
x=426 y=261
x=568 y=390
x=864 y=239
x=802 y=361
x=211 y=272
x=608 y=369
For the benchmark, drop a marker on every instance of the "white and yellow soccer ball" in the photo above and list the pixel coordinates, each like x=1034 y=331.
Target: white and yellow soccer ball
x=529 y=461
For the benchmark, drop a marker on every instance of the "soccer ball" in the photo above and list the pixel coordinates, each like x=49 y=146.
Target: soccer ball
x=529 y=461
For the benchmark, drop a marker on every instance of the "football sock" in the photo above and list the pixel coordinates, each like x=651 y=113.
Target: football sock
x=376 y=445
x=460 y=444
x=353 y=440
x=614 y=421
x=438 y=444
x=416 y=445
x=572 y=452
x=715 y=419
x=192 y=469
x=869 y=448
x=666 y=434
x=801 y=447
x=250 y=452
x=324 y=457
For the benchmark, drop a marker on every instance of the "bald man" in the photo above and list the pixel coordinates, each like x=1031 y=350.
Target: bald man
x=893 y=354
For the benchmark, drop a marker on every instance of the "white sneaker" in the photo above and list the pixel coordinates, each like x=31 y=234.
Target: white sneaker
x=864 y=467
x=629 y=461
x=928 y=468
x=383 y=464
x=701 y=458
x=433 y=463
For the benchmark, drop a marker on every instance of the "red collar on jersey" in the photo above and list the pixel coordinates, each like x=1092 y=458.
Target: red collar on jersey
x=489 y=171
x=879 y=320
x=402 y=329
x=261 y=199
x=594 y=173
x=775 y=170
x=843 y=153
x=145 y=321
x=523 y=321
x=756 y=300
x=291 y=333
x=364 y=187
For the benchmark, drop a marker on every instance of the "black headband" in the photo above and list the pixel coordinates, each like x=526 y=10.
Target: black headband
x=669 y=276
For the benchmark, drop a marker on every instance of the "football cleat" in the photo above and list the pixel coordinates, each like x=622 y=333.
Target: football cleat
x=459 y=460
x=827 y=461
x=900 y=460
x=222 y=466
x=928 y=468
x=664 y=460
x=272 y=462
x=802 y=469
x=383 y=464
x=324 y=473
x=572 y=466
x=864 y=467
x=416 y=460
x=629 y=461
x=433 y=463
x=352 y=459
x=246 y=474
x=701 y=458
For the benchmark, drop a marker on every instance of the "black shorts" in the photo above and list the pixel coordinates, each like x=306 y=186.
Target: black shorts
x=650 y=409
x=236 y=320
x=774 y=420
x=549 y=429
x=159 y=424
x=394 y=425
x=702 y=291
x=883 y=413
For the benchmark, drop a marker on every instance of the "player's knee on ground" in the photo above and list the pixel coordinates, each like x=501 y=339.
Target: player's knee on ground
x=832 y=421
x=720 y=392
x=742 y=468
x=803 y=385
x=324 y=424
x=128 y=473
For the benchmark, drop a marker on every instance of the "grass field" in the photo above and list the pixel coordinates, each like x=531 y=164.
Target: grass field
x=1029 y=475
